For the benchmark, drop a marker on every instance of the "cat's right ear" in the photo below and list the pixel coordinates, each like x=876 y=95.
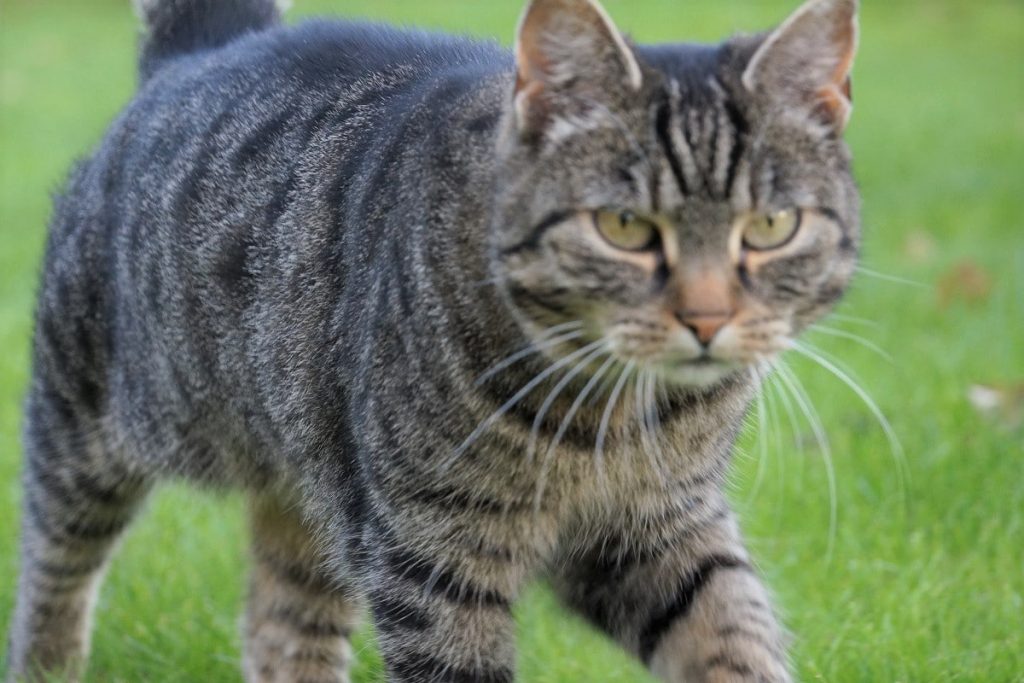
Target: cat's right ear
x=568 y=52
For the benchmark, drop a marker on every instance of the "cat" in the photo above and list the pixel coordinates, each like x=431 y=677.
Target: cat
x=454 y=317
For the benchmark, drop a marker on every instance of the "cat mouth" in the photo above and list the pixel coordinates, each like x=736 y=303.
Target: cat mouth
x=700 y=372
x=703 y=361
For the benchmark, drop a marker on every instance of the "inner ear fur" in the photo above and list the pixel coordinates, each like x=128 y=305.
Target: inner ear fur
x=809 y=59
x=567 y=48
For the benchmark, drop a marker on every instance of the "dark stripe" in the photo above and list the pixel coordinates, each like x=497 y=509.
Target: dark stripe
x=96 y=531
x=524 y=297
x=712 y=165
x=535 y=236
x=81 y=484
x=74 y=531
x=760 y=639
x=723 y=662
x=326 y=658
x=69 y=570
x=424 y=669
x=455 y=500
x=686 y=593
x=308 y=627
x=260 y=142
x=294 y=573
x=391 y=615
x=401 y=285
x=789 y=290
x=442 y=582
x=742 y=129
x=662 y=126
x=619 y=558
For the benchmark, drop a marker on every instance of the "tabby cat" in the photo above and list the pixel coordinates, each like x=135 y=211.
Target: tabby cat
x=454 y=318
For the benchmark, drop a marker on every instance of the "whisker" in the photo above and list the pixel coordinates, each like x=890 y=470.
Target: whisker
x=605 y=387
x=542 y=344
x=643 y=413
x=803 y=401
x=891 y=278
x=896 y=448
x=832 y=332
x=771 y=393
x=762 y=441
x=654 y=419
x=522 y=393
x=600 y=347
x=564 y=427
x=854 y=319
x=602 y=430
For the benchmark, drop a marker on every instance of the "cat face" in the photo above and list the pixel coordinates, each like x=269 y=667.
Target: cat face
x=691 y=208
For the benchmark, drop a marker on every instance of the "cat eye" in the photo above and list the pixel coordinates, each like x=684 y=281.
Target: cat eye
x=625 y=230
x=771 y=231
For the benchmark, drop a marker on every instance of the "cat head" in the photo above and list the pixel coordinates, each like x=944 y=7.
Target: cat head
x=692 y=206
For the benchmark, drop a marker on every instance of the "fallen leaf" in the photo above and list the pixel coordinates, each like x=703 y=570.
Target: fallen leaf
x=965 y=281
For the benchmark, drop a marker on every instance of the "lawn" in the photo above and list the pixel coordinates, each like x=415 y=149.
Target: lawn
x=919 y=576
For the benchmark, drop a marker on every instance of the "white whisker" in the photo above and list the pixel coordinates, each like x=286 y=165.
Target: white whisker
x=520 y=395
x=803 y=401
x=762 y=441
x=602 y=431
x=654 y=419
x=542 y=344
x=599 y=347
x=771 y=394
x=564 y=426
x=842 y=334
x=896 y=448
x=891 y=278
x=853 y=319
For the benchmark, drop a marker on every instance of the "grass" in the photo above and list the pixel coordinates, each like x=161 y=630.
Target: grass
x=921 y=582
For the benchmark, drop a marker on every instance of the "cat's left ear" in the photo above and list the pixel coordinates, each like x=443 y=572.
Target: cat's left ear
x=807 y=60
x=568 y=52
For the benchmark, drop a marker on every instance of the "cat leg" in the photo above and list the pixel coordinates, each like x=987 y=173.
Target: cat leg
x=442 y=607
x=679 y=592
x=298 y=620
x=76 y=504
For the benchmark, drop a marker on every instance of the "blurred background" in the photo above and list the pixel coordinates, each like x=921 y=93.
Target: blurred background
x=909 y=568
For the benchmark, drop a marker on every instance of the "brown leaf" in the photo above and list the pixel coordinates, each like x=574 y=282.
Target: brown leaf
x=966 y=281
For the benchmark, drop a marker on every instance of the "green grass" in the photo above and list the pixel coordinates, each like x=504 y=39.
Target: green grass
x=924 y=581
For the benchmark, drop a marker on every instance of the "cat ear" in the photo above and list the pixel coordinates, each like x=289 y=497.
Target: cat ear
x=809 y=58
x=567 y=50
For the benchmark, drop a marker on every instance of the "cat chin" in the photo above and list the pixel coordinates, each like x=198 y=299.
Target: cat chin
x=698 y=375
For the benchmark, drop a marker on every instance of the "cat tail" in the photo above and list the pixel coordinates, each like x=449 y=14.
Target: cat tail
x=177 y=27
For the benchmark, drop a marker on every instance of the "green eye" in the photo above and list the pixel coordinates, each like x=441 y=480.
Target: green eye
x=626 y=231
x=771 y=231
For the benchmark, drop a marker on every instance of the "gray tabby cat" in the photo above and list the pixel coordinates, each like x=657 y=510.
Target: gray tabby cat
x=454 y=319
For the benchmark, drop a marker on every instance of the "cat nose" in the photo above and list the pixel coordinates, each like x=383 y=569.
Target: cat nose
x=704 y=325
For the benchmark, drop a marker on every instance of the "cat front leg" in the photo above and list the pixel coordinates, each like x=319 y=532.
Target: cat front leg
x=442 y=605
x=683 y=597
x=300 y=616
x=720 y=628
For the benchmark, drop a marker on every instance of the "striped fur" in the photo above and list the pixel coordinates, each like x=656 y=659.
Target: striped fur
x=350 y=271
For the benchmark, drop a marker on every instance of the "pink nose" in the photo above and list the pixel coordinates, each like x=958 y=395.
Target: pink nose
x=703 y=325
